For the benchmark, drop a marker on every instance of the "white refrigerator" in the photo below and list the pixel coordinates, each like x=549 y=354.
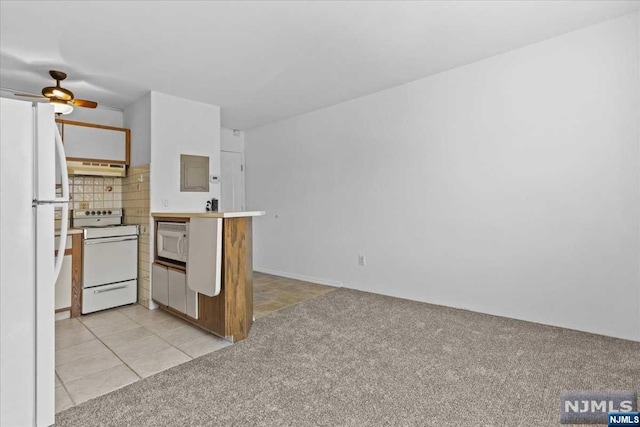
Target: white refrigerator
x=30 y=146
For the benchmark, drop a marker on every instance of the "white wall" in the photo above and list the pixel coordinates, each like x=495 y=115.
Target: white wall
x=508 y=186
x=231 y=142
x=180 y=126
x=137 y=117
x=98 y=115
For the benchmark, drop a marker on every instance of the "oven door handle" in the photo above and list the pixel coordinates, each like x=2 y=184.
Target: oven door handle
x=99 y=291
x=108 y=240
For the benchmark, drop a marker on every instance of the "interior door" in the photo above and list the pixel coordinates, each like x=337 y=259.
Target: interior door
x=232 y=177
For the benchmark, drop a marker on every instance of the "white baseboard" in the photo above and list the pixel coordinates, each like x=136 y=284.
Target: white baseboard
x=63 y=315
x=299 y=277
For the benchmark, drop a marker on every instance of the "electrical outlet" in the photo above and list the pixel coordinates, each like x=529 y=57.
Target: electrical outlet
x=165 y=203
x=84 y=205
x=362 y=261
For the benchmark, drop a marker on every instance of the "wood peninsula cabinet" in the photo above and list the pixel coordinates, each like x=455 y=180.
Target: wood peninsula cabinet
x=203 y=269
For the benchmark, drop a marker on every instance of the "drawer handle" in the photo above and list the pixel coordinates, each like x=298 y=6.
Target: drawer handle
x=108 y=240
x=112 y=289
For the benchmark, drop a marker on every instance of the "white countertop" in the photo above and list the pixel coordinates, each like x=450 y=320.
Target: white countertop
x=207 y=214
x=70 y=231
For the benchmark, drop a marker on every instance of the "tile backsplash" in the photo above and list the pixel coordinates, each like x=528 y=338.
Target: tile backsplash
x=95 y=192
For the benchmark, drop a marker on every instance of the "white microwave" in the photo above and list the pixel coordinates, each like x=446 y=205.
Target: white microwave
x=172 y=240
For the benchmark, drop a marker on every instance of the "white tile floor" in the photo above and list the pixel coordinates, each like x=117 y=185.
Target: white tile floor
x=101 y=352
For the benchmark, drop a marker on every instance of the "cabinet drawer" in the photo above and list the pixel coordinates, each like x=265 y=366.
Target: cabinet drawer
x=107 y=296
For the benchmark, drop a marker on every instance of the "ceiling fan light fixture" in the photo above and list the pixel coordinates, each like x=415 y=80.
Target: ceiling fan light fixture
x=62 y=99
x=61 y=107
x=57 y=92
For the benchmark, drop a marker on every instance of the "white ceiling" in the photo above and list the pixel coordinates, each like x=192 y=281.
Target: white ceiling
x=266 y=61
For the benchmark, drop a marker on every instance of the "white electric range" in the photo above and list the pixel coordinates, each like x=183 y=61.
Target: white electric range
x=109 y=259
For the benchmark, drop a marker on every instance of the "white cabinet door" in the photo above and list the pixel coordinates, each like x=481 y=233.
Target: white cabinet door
x=160 y=284
x=204 y=264
x=68 y=245
x=84 y=142
x=63 y=285
x=177 y=291
x=169 y=287
x=192 y=303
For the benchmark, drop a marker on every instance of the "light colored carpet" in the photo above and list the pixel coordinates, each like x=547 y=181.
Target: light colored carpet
x=351 y=358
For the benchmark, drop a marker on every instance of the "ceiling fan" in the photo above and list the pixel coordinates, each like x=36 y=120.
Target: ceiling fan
x=61 y=98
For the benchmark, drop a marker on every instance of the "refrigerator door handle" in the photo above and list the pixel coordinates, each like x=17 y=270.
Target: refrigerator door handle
x=62 y=162
x=64 y=220
x=62 y=243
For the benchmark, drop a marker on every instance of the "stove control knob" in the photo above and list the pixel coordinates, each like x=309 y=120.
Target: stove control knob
x=98 y=212
x=87 y=213
x=104 y=212
x=109 y=212
x=93 y=212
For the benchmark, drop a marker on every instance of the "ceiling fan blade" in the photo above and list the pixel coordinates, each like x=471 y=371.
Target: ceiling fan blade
x=28 y=95
x=84 y=103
